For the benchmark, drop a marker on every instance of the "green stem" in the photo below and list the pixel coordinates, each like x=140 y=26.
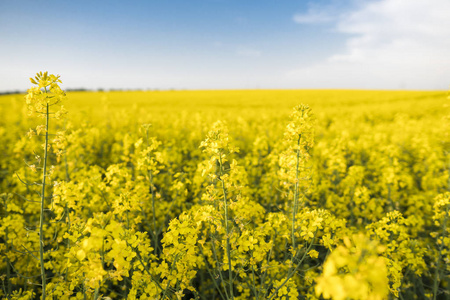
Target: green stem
x=66 y=164
x=150 y=177
x=263 y=286
x=211 y=274
x=153 y=213
x=68 y=240
x=296 y=192
x=168 y=281
x=222 y=281
x=146 y=268
x=291 y=274
x=254 y=283
x=230 y=273
x=96 y=293
x=41 y=220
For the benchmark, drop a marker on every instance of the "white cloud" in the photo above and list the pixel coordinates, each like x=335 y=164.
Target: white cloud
x=391 y=44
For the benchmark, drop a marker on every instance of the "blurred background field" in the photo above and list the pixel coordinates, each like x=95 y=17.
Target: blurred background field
x=227 y=103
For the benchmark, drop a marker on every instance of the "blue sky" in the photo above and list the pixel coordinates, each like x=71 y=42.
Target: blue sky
x=218 y=44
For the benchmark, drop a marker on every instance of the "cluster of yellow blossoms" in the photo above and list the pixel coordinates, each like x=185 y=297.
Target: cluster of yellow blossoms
x=354 y=270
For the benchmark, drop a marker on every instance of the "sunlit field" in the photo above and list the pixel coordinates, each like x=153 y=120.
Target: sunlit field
x=256 y=194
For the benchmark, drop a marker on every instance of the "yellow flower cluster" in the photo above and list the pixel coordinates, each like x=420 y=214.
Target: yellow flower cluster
x=47 y=93
x=354 y=270
x=299 y=139
x=40 y=100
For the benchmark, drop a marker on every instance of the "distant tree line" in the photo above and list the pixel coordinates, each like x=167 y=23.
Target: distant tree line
x=86 y=90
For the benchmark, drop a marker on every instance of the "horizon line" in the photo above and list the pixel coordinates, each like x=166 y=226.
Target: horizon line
x=104 y=90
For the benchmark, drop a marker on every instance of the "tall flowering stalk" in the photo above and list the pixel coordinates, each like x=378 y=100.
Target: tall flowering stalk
x=39 y=100
x=217 y=146
x=149 y=161
x=299 y=137
x=295 y=177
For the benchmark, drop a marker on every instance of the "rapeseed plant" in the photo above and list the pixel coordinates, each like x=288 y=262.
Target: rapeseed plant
x=217 y=146
x=45 y=95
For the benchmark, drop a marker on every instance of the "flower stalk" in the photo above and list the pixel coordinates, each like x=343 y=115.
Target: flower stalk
x=39 y=99
x=227 y=229
x=41 y=219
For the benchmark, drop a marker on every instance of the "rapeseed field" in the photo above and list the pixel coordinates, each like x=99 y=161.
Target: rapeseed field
x=252 y=194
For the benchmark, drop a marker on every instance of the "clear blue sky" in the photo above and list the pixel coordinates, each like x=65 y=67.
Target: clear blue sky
x=218 y=44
